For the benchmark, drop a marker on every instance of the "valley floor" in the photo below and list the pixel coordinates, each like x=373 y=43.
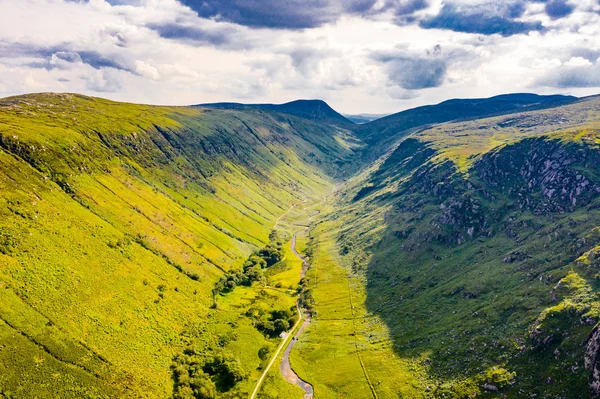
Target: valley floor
x=346 y=351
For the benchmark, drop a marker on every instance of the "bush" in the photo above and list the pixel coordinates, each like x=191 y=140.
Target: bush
x=275 y=322
x=264 y=352
x=252 y=270
x=272 y=253
x=281 y=325
x=191 y=382
x=253 y=273
x=200 y=375
x=7 y=242
x=255 y=261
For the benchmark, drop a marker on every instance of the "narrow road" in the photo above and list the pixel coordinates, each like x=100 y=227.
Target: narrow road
x=281 y=345
x=282 y=216
x=286 y=369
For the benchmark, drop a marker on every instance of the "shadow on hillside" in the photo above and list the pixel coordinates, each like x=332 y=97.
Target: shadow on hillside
x=466 y=300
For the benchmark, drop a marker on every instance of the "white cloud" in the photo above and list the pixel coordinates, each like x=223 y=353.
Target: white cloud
x=118 y=52
x=146 y=70
x=578 y=62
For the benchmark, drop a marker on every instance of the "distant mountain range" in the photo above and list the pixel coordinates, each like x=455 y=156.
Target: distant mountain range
x=458 y=109
x=314 y=110
x=364 y=118
x=379 y=125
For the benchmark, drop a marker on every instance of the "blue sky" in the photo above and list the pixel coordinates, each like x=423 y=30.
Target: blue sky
x=361 y=56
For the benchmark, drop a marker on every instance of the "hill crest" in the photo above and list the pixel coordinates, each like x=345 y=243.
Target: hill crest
x=314 y=110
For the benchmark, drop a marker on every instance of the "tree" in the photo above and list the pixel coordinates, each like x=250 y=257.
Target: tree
x=281 y=326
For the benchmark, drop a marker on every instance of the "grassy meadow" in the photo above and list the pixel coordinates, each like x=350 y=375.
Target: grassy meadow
x=462 y=263
x=116 y=220
x=473 y=243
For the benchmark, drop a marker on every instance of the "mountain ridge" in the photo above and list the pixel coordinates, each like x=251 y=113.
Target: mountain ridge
x=384 y=131
x=135 y=239
x=315 y=110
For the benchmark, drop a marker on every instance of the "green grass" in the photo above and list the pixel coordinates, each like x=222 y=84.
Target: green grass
x=286 y=273
x=448 y=265
x=344 y=334
x=463 y=305
x=117 y=219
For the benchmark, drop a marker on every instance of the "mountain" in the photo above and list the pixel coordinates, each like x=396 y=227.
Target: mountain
x=364 y=118
x=116 y=222
x=381 y=132
x=314 y=110
x=476 y=243
x=152 y=252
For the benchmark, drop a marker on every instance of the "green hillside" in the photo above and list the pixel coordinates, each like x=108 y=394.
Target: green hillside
x=383 y=133
x=116 y=222
x=476 y=244
x=145 y=251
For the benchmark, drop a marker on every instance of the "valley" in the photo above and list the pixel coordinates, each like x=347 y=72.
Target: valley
x=160 y=251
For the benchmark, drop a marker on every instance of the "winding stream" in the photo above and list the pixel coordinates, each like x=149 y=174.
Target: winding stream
x=286 y=369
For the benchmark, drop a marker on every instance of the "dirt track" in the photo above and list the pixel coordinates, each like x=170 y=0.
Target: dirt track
x=286 y=369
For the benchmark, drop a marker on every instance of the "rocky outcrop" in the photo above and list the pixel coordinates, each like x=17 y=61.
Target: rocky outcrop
x=542 y=175
x=591 y=360
x=537 y=175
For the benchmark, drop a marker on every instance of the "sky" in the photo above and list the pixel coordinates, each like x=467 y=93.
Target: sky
x=361 y=56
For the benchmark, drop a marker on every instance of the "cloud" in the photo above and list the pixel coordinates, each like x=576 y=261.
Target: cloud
x=99 y=61
x=195 y=34
x=577 y=72
x=60 y=56
x=585 y=52
x=289 y=14
x=136 y=3
x=66 y=56
x=301 y=67
x=147 y=70
x=578 y=62
x=557 y=9
x=412 y=71
x=104 y=81
x=417 y=73
x=298 y=14
x=487 y=19
x=364 y=55
x=403 y=7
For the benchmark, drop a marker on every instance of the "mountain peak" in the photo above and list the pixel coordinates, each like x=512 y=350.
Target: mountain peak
x=312 y=109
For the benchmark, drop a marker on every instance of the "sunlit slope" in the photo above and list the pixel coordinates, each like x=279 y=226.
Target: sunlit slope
x=479 y=244
x=117 y=219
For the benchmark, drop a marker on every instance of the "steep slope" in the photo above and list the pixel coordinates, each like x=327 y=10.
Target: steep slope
x=382 y=133
x=477 y=242
x=460 y=264
x=314 y=110
x=116 y=220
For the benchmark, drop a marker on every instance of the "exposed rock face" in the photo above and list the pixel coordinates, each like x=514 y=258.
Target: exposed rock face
x=591 y=360
x=542 y=175
x=463 y=211
x=538 y=175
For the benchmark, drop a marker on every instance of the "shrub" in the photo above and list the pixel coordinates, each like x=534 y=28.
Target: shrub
x=272 y=254
x=252 y=270
x=276 y=322
x=7 y=242
x=264 y=352
x=200 y=375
